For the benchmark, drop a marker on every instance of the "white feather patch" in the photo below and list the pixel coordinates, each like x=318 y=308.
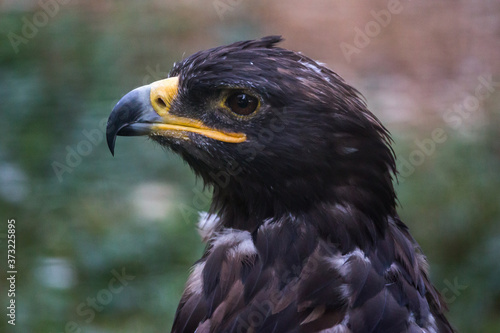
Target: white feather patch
x=239 y=243
x=244 y=248
x=194 y=284
x=207 y=225
x=341 y=263
x=432 y=323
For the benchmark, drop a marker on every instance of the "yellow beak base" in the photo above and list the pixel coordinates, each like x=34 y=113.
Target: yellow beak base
x=162 y=95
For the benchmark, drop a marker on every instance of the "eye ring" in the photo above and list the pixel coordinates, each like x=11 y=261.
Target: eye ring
x=242 y=103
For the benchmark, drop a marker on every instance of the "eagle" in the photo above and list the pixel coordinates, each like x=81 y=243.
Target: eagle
x=302 y=234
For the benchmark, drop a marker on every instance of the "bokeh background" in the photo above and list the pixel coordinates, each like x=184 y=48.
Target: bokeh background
x=428 y=69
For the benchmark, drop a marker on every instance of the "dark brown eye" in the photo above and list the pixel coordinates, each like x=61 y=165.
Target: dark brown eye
x=242 y=104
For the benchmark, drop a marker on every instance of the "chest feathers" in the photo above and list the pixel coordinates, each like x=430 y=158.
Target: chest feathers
x=285 y=277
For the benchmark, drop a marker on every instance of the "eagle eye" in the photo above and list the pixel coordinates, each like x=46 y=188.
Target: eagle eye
x=242 y=103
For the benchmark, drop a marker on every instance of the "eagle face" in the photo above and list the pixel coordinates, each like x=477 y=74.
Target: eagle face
x=303 y=232
x=252 y=114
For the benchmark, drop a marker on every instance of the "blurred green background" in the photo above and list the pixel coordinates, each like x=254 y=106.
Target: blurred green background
x=83 y=217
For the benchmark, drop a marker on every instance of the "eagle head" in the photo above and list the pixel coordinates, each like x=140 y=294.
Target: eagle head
x=270 y=129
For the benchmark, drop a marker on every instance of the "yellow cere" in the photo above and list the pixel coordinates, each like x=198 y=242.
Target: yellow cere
x=163 y=93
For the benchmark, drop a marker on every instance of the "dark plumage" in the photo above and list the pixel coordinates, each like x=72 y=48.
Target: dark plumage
x=302 y=234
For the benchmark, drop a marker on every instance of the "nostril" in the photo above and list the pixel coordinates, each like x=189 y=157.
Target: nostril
x=161 y=102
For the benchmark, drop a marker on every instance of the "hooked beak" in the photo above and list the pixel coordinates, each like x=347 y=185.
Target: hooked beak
x=146 y=111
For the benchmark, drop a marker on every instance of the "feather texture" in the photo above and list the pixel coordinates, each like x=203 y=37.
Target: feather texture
x=302 y=234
